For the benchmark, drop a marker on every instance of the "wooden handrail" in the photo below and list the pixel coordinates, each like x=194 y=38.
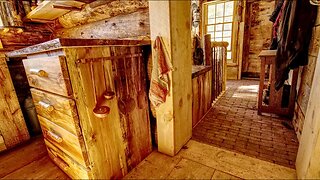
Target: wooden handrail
x=219 y=65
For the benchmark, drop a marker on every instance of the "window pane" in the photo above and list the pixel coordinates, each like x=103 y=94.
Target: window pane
x=211 y=11
x=227 y=27
x=219 y=27
x=210 y=28
x=219 y=20
x=226 y=33
x=228 y=55
x=229 y=8
x=220 y=8
x=219 y=34
x=228 y=19
x=211 y=21
x=218 y=39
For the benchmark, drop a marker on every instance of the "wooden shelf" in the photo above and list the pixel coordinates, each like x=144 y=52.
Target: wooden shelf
x=11 y=27
x=49 y=10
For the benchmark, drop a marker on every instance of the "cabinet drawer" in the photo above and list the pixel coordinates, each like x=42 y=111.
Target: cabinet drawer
x=60 y=110
x=66 y=163
x=69 y=143
x=49 y=74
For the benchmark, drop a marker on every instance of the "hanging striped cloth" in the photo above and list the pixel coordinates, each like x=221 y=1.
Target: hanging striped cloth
x=160 y=82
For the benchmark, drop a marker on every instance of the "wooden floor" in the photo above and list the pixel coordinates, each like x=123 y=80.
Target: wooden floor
x=195 y=161
x=233 y=124
x=29 y=161
x=201 y=161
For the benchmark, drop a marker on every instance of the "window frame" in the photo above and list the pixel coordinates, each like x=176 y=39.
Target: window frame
x=205 y=25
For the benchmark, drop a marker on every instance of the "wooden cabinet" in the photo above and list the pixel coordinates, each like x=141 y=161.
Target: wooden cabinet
x=90 y=96
x=13 y=129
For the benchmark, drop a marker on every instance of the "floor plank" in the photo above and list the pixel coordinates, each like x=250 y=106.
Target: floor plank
x=21 y=156
x=221 y=175
x=187 y=169
x=235 y=164
x=155 y=166
x=43 y=168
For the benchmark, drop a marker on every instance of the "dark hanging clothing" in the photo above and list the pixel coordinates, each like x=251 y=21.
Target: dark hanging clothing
x=276 y=19
x=294 y=35
x=276 y=11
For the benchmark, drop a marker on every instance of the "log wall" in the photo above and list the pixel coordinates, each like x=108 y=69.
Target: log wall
x=257 y=36
x=109 y=19
x=305 y=79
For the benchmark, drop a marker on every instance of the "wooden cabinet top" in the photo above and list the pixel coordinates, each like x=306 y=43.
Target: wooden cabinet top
x=65 y=43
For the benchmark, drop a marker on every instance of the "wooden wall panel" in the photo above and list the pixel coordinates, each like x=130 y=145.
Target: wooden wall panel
x=12 y=125
x=306 y=79
x=201 y=96
x=308 y=154
x=258 y=33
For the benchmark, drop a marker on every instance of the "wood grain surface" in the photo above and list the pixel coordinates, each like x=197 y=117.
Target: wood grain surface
x=12 y=125
x=66 y=163
x=60 y=110
x=119 y=141
x=70 y=144
x=201 y=96
x=55 y=77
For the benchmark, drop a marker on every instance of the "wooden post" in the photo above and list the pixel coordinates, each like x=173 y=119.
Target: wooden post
x=172 y=21
x=307 y=163
x=207 y=50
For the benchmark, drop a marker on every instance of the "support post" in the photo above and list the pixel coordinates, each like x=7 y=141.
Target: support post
x=172 y=21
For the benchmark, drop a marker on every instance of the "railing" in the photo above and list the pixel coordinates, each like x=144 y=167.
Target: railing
x=219 y=65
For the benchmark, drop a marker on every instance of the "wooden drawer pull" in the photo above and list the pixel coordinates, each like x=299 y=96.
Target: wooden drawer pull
x=54 y=136
x=46 y=106
x=39 y=72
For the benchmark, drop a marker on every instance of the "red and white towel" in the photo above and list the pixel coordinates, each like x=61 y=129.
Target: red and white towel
x=160 y=82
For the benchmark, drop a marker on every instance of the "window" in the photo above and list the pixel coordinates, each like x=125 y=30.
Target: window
x=218 y=22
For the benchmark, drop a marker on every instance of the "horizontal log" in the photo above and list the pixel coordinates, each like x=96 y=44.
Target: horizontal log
x=124 y=26
x=95 y=12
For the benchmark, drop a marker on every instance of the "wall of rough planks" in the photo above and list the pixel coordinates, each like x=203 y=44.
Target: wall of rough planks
x=305 y=79
x=257 y=37
x=107 y=19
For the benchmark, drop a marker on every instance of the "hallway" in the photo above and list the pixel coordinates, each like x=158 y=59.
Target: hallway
x=233 y=124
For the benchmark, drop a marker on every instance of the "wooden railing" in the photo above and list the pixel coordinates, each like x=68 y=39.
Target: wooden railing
x=219 y=65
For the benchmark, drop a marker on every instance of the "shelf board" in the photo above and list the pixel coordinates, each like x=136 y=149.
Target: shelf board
x=46 y=11
x=11 y=27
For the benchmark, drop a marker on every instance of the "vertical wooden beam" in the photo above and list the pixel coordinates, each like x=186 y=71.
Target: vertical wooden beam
x=172 y=21
x=307 y=163
x=207 y=49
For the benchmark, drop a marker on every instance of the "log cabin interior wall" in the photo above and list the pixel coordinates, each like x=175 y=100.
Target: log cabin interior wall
x=107 y=19
x=130 y=20
x=258 y=33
